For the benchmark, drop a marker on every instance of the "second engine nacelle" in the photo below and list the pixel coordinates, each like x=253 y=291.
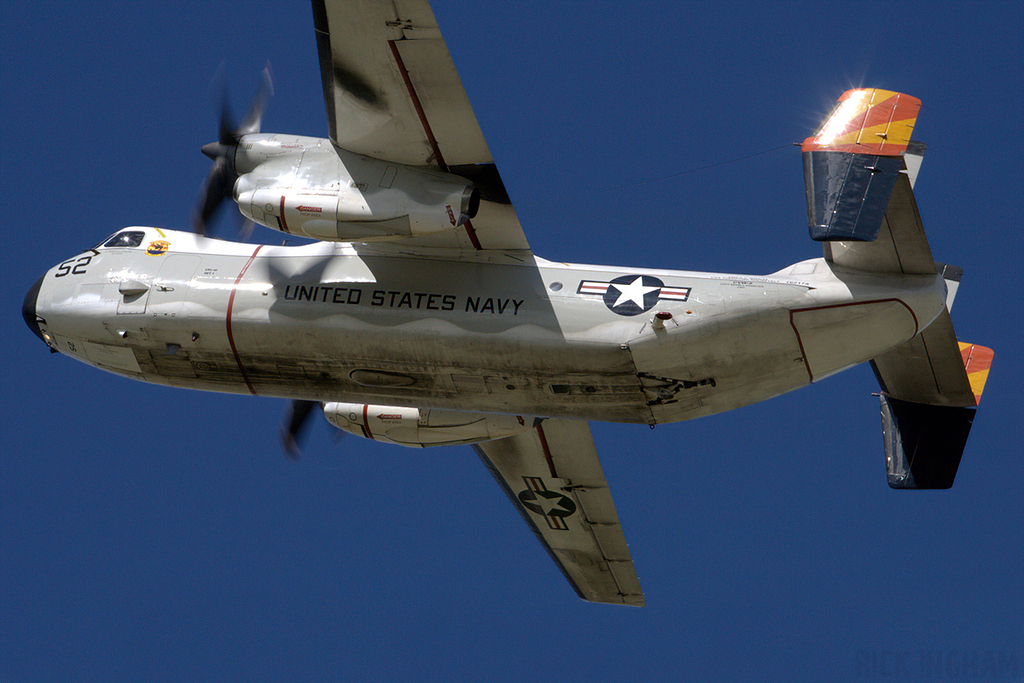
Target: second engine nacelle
x=419 y=428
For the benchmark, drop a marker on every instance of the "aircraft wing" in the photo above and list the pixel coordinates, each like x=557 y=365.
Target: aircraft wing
x=553 y=476
x=392 y=93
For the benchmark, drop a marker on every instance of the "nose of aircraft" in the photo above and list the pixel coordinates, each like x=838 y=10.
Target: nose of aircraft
x=28 y=309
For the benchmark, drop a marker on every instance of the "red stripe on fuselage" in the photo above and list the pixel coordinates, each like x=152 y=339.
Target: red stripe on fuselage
x=800 y=341
x=231 y=305
x=284 y=223
x=366 y=422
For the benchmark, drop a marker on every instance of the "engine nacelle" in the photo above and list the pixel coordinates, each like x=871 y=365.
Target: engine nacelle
x=307 y=187
x=418 y=428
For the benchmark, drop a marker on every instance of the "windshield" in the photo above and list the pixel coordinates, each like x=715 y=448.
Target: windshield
x=125 y=239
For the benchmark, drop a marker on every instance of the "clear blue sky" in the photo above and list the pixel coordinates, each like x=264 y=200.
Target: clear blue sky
x=152 y=534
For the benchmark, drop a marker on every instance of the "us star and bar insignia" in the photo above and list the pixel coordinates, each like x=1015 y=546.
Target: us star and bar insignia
x=553 y=506
x=632 y=294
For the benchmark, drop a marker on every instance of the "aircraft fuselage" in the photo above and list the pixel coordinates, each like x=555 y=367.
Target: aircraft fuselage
x=498 y=332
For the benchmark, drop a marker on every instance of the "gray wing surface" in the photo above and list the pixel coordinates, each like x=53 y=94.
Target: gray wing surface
x=554 y=477
x=392 y=93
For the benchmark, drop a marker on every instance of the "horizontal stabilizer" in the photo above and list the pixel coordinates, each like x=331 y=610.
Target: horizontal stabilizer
x=927 y=369
x=923 y=443
x=851 y=164
x=847 y=194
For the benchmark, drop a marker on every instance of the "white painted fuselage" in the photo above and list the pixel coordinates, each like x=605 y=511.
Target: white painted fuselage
x=493 y=332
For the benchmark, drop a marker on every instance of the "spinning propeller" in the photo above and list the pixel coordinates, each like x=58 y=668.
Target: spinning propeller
x=293 y=430
x=220 y=183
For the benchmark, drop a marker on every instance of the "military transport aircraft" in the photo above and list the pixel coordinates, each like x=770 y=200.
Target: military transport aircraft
x=420 y=316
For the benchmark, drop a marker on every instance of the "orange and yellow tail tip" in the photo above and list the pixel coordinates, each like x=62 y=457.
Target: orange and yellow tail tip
x=868 y=121
x=977 y=361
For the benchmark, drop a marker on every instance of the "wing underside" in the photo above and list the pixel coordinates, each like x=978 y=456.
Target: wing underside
x=553 y=476
x=392 y=93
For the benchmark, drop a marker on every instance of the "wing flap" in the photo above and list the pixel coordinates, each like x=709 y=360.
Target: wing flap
x=554 y=477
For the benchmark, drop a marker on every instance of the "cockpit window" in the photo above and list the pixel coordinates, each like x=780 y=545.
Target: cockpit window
x=126 y=239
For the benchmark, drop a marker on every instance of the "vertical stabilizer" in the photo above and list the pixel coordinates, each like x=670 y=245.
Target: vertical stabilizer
x=931 y=387
x=859 y=170
x=923 y=443
x=852 y=162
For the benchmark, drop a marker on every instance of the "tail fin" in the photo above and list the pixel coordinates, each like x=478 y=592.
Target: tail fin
x=923 y=443
x=852 y=163
x=859 y=171
x=931 y=387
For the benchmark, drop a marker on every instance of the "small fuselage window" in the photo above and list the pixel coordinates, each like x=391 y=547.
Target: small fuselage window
x=125 y=240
